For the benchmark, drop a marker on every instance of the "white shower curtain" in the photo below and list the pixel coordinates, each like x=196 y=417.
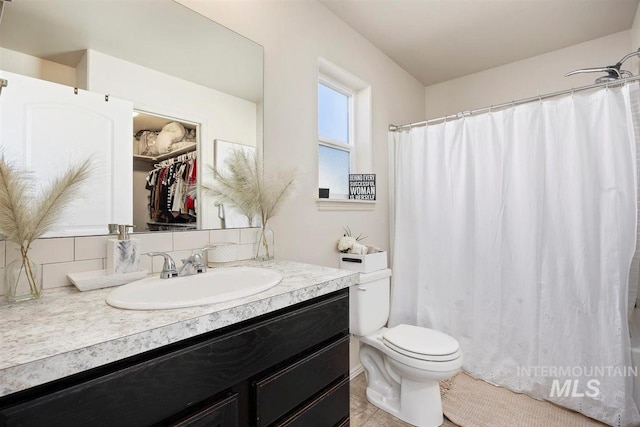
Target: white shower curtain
x=514 y=233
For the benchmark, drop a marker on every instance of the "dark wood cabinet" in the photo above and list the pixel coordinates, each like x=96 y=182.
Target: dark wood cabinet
x=284 y=390
x=327 y=409
x=283 y=368
x=222 y=413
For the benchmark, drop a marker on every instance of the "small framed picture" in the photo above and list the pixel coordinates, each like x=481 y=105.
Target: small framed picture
x=362 y=186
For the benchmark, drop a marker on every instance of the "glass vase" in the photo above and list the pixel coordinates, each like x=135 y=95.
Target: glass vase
x=264 y=244
x=23 y=279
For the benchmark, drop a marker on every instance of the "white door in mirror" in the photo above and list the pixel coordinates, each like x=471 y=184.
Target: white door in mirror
x=216 y=285
x=45 y=126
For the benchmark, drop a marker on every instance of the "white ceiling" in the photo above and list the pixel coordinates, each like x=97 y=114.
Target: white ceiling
x=439 y=40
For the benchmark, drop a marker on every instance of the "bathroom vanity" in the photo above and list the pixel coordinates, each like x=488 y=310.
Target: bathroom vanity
x=283 y=360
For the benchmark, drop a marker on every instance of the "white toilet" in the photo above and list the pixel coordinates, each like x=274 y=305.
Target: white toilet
x=403 y=364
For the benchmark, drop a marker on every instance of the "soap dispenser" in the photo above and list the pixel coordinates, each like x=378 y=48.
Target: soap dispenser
x=123 y=254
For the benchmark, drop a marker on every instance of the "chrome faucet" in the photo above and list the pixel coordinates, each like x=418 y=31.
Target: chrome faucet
x=194 y=264
x=169 y=269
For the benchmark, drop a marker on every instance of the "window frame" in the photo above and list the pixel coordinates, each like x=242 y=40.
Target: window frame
x=350 y=146
x=361 y=139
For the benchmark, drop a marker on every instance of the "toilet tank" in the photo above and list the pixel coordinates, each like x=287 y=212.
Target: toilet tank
x=369 y=302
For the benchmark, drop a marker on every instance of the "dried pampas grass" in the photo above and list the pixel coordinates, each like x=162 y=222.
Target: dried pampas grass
x=15 y=209
x=26 y=212
x=246 y=186
x=277 y=187
x=239 y=185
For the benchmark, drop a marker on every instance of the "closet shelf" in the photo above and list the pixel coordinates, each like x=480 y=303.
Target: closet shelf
x=153 y=159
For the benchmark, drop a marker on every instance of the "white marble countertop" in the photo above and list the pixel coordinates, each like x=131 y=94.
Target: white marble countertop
x=67 y=331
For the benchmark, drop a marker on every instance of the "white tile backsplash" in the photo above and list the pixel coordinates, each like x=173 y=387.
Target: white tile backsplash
x=146 y=263
x=231 y=235
x=55 y=275
x=45 y=251
x=155 y=242
x=246 y=251
x=61 y=256
x=91 y=247
x=248 y=235
x=190 y=240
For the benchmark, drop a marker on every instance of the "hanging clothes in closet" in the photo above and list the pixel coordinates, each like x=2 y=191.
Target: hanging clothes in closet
x=171 y=188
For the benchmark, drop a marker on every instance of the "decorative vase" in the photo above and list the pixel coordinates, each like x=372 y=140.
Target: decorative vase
x=264 y=244
x=23 y=279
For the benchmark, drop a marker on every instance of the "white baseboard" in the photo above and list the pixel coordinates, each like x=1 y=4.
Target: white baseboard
x=355 y=371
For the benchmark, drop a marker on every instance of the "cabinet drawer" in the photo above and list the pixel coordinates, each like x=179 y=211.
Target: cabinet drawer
x=223 y=413
x=282 y=391
x=329 y=409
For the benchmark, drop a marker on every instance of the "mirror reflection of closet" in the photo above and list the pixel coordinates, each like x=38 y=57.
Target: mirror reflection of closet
x=165 y=171
x=221 y=88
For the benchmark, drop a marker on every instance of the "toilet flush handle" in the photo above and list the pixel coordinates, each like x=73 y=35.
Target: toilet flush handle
x=362 y=288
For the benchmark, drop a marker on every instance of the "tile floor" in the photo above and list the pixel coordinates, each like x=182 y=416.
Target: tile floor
x=364 y=414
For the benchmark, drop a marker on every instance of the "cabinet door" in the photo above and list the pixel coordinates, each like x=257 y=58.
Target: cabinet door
x=223 y=413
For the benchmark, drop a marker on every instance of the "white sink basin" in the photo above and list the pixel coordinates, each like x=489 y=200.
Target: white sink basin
x=216 y=285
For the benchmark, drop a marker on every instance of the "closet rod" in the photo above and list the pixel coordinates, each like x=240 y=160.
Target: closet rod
x=394 y=128
x=179 y=158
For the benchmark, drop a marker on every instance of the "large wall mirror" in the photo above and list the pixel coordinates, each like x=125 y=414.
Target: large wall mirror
x=180 y=83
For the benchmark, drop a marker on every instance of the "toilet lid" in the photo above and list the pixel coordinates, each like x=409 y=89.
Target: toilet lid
x=422 y=343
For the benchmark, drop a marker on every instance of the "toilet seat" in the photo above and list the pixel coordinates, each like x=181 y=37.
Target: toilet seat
x=421 y=343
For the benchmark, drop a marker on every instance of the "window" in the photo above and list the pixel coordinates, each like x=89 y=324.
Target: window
x=344 y=128
x=335 y=135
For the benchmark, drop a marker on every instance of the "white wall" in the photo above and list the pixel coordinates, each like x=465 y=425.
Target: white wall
x=294 y=35
x=635 y=41
x=530 y=77
x=31 y=66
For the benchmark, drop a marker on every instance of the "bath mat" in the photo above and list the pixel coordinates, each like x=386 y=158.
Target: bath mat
x=468 y=402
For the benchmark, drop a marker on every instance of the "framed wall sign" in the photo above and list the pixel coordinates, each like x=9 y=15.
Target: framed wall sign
x=362 y=186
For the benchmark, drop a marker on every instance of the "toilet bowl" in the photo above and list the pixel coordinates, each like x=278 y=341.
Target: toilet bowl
x=402 y=364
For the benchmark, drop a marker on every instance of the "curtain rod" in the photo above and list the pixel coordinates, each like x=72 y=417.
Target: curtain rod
x=394 y=128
